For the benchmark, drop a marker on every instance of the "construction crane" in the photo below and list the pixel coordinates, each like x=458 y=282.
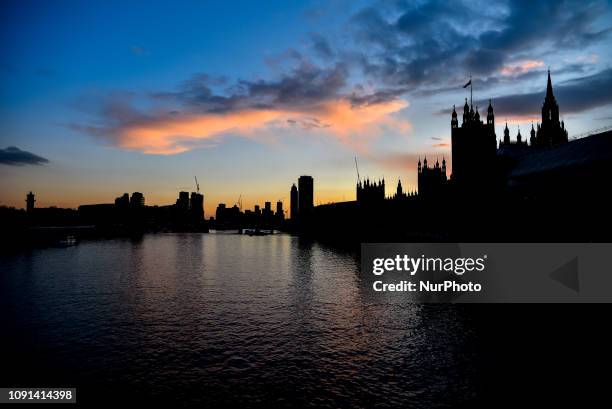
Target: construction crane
x=357 y=167
x=239 y=202
x=197 y=184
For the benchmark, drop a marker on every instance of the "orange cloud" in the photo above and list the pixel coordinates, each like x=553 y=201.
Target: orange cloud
x=349 y=123
x=521 y=67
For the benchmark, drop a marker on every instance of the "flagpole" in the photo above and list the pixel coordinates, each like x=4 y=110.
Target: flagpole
x=471 y=91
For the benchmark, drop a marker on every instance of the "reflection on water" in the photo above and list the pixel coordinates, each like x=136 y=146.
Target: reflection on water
x=216 y=319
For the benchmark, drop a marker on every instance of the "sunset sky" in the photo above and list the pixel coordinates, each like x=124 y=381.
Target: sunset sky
x=101 y=98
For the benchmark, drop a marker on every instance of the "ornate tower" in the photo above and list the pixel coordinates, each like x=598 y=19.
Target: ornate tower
x=473 y=147
x=551 y=131
x=506 y=135
x=550 y=108
x=490 y=116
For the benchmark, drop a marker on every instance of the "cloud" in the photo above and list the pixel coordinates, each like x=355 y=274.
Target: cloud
x=16 y=157
x=352 y=87
x=175 y=134
x=309 y=97
x=321 y=46
x=521 y=67
x=573 y=96
x=439 y=43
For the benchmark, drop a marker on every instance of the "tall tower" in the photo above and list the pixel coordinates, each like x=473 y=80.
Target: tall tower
x=490 y=116
x=294 y=202
x=550 y=108
x=552 y=131
x=473 y=147
x=30 y=202
x=305 y=195
x=506 y=135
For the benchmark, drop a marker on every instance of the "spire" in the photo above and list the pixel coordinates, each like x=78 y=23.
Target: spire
x=506 y=134
x=549 y=89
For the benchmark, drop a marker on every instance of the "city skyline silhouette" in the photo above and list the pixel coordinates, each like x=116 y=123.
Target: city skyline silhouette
x=306 y=204
x=247 y=115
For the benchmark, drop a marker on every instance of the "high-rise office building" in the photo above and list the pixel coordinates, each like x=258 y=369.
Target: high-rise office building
x=122 y=201
x=137 y=200
x=279 y=210
x=294 y=202
x=305 y=195
x=196 y=206
x=182 y=203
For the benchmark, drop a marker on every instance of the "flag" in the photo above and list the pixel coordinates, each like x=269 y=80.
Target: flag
x=468 y=84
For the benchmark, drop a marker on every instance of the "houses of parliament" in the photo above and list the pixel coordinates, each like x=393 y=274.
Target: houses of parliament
x=506 y=189
x=476 y=152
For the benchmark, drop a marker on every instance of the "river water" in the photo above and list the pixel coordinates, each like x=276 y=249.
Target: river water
x=218 y=319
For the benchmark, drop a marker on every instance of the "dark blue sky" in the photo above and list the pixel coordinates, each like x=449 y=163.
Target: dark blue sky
x=125 y=96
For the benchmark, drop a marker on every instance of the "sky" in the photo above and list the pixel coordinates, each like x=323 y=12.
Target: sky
x=101 y=98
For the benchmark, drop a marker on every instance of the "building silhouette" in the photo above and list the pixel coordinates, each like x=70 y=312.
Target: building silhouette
x=431 y=180
x=294 y=202
x=182 y=203
x=477 y=156
x=137 y=200
x=550 y=131
x=280 y=214
x=520 y=186
x=473 y=146
x=196 y=207
x=123 y=201
x=399 y=191
x=305 y=195
x=370 y=192
x=30 y=200
x=520 y=143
